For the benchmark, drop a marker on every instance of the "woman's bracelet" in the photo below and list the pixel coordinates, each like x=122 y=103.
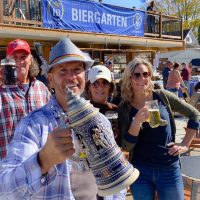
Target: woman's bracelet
x=136 y=123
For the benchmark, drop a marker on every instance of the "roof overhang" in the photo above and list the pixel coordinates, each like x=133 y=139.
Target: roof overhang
x=36 y=33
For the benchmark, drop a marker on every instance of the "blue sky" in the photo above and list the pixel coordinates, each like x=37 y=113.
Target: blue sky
x=125 y=3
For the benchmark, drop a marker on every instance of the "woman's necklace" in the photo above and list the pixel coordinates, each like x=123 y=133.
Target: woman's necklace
x=140 y=102
x=138 y=105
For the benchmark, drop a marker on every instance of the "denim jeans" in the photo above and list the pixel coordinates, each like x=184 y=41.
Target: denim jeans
x=187 y=84
x=173 y=90
x=166 y=182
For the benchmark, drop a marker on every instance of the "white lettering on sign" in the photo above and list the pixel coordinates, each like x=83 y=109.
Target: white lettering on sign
x=74 y=14
x=96 y=17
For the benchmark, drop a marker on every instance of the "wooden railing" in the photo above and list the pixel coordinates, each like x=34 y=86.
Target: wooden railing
x=166 y=27
x=21 y=22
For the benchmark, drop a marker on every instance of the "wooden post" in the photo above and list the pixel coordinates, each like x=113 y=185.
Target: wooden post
x=1 y=12
x=181 y=25
x=160 y=25
x=195 y=193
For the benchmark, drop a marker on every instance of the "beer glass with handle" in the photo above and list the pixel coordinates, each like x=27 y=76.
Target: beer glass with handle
x=112 y=116
x=154 y=118
x=9 y=74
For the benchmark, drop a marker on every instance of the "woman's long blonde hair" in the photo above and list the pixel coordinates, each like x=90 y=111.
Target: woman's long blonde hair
x=126 y=89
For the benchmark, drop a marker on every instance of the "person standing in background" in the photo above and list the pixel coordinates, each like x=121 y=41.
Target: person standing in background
x=117 y=94
x=16 y=101
x=186 y=75
x=190 y=66
x=151 y=18
x=165 y=72
x=109 y=65
x=175 y=81
x=195 y=101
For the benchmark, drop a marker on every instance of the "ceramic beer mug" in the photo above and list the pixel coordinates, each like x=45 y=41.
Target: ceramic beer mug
x=9 y=74
x=111 y=169
x=154 y=118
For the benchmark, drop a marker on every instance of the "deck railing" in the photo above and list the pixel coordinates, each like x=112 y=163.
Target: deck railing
x=166 y=27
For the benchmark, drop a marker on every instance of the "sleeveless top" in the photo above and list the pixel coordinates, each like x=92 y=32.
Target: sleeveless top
x=173 y=80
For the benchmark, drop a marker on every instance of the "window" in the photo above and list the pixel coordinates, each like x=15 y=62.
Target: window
x=188 y=40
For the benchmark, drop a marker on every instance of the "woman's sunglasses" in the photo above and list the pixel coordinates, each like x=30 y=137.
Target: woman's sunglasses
x=138 y=75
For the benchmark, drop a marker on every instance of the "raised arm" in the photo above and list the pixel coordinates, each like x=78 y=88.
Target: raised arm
x=33 y=155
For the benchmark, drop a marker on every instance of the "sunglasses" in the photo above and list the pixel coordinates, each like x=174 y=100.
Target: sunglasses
x=138 y=75
x=103 y=84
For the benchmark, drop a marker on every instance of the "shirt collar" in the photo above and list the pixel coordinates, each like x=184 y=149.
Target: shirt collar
x=57 y=110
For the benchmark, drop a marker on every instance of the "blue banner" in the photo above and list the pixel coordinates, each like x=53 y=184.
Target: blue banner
x=89 y=16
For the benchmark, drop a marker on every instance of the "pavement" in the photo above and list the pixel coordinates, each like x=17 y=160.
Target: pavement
x=181 y=122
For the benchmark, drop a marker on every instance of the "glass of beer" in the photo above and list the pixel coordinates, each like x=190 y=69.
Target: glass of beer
x=9 y=75
x=154 y=118
x=112 y=116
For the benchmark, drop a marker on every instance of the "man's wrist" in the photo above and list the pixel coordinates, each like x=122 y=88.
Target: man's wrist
x=42 y=163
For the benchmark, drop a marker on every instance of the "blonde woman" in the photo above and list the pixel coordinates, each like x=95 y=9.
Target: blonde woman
x=154 y=150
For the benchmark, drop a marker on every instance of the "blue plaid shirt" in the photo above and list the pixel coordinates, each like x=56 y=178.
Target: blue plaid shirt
x=20 y=174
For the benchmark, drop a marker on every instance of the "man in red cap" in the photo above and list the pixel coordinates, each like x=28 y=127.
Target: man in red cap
x=28 y=94
x=20 y=51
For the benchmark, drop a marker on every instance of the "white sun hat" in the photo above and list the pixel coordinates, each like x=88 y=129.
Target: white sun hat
x=99 y=71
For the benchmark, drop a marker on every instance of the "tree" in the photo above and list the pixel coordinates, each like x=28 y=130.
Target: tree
x=189 y=10
x=198 y=37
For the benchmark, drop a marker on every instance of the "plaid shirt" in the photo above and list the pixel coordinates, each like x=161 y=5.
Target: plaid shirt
x=20 y=172
x=15 y=103
x=21 y=162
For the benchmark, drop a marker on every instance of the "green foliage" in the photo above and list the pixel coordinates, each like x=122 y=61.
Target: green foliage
x=188 y=10
x=198 y=36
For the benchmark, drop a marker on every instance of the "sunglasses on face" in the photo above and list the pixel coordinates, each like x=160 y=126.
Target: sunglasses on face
x=137 y=75
x=103 y=84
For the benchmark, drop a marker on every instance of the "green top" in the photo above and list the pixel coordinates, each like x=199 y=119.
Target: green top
x=172 y=103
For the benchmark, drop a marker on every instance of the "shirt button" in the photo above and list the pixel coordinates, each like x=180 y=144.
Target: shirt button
x=43 y=180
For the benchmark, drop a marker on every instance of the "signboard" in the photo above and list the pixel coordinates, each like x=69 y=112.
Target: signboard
x=89 y=16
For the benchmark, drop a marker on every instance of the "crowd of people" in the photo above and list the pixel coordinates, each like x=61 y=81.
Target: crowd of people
x=177 y=78
x=36 y=151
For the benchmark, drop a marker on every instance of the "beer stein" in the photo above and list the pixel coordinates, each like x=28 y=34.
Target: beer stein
x=154 y=118
x=9 y=74
x=111 y=169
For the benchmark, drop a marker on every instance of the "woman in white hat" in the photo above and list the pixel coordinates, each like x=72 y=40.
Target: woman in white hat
x=99 y=88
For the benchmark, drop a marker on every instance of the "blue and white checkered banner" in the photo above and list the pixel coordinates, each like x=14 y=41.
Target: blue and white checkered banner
x=89 y=16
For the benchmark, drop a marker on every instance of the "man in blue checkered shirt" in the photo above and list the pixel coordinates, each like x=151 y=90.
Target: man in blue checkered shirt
x=37 y=165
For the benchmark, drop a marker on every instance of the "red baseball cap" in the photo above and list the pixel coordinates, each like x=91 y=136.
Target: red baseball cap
x=16 y=45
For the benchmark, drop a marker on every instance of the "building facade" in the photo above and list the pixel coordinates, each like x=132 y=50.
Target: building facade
x=23 y=19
